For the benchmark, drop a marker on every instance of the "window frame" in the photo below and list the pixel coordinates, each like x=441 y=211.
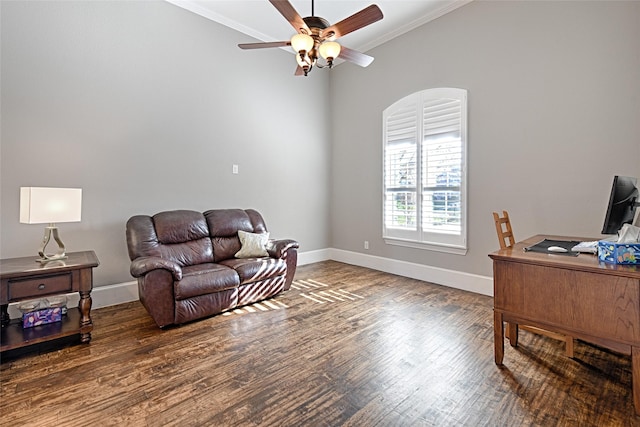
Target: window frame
x=450 y=242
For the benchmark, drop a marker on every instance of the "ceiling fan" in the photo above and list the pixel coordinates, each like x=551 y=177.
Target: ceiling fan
x=316 y=37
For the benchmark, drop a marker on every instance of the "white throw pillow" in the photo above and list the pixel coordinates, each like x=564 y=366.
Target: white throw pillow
x=253 y=245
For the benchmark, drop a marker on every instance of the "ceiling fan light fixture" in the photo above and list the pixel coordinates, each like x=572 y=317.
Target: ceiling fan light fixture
x=315 y=37
x=330 y=51
x=303 y=60
x=305 y=63
x=302 y=43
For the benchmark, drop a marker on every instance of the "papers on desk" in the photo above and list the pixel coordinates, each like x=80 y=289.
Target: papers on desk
x=544 y=246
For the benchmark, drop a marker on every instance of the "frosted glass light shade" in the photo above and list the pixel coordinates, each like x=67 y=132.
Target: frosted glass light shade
x=40 y=205
x=330 y=50
x=303 y=62
x=301 y=42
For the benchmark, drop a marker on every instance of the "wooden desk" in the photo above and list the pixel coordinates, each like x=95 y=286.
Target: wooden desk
x=577 y=296
x=24 y=278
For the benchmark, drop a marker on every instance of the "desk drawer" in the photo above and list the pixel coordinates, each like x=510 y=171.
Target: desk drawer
x=33 y=288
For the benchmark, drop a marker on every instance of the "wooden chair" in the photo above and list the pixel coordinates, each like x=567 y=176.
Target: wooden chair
x=503 y=228
x=507 y=240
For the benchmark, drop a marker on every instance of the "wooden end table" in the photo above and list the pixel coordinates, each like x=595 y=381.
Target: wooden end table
x=25 y=278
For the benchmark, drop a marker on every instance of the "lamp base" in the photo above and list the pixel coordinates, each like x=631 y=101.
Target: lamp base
x=60 y=255
x=51 y=259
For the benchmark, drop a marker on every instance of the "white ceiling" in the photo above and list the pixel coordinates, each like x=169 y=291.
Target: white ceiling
x=259 y=19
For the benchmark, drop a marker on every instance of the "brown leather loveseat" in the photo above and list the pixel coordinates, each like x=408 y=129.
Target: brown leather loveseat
x=191 y=265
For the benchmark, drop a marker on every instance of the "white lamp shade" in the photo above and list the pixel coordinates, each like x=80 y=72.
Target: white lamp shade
x=301 y=42
x=330 y=50
x=39 y=205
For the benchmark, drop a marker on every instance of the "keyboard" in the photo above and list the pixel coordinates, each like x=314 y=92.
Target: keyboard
x=586 y=247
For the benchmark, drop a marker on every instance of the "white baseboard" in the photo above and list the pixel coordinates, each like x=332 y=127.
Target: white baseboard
x=440 y=276
x=105 y=296
x=313 y=256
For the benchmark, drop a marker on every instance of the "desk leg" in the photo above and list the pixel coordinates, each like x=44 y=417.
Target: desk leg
x=635 y=377
x=86 y=325
x=512 y=333
x=498 y=337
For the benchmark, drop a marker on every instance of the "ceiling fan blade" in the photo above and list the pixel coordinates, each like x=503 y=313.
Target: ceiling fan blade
x=290 y=14
x=354 y=56
x=263 y=45
x=358 y=20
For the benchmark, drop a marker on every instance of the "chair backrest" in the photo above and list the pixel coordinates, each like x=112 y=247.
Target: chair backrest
x=503 y=228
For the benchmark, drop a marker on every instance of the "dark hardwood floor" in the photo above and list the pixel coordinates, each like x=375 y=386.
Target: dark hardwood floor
x=347 y=346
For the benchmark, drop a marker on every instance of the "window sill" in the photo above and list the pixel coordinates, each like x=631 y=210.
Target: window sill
x=438 y=247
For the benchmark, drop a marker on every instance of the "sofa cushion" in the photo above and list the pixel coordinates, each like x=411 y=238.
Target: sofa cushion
x=225 y=247
x=189 y=253
x=227 y=222
x=180 y=226
x=253 y=245
x=224 y=225
x=188 y=244
x=204 y=279
x=254 y=269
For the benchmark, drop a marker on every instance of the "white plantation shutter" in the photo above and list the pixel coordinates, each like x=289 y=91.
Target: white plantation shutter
x=442 y=163
x=425 y=170
x=401 y=179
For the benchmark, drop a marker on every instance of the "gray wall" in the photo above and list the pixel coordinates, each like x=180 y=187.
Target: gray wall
x=554 y=114
x=146 y=106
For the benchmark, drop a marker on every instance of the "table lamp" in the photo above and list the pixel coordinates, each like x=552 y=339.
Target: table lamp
x=41 y=205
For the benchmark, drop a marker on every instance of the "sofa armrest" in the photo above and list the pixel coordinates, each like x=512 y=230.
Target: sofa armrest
x=143 y=265
x=277 y=248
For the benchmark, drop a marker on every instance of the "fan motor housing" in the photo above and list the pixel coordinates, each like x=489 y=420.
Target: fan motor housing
x=316 y=24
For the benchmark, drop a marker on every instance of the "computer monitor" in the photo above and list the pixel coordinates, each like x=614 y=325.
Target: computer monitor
x=622 y=204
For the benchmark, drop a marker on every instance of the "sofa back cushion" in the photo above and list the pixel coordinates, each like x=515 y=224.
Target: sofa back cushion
x=181 y=236
x=224 y=225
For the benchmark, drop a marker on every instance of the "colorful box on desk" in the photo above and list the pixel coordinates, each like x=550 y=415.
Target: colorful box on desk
x=619 y=253
x=41 y=317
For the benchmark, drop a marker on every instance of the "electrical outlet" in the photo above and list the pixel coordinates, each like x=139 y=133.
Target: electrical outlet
x=366 y=244
x=235 y=169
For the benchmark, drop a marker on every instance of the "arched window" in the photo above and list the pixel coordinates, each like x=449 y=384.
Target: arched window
x=425 y=170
